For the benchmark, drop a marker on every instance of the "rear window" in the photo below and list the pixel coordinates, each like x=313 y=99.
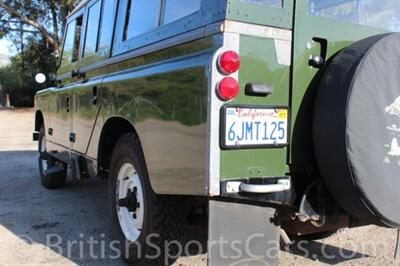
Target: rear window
x=107 y=24
x=146 y=15
x=143 y=22
x=92 y=29
x=382 y=14
x=68 y=43
x=142 y=16
x=176 y=9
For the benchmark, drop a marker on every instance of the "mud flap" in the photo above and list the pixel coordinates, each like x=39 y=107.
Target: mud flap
x=241 y=234
x=54 y=171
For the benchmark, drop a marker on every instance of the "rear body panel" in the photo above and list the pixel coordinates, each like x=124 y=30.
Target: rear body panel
x=259 y=64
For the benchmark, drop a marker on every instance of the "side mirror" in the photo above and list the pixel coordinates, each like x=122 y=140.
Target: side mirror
x=40 y=78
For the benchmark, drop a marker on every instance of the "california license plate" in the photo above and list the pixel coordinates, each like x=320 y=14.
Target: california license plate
x=247 y=127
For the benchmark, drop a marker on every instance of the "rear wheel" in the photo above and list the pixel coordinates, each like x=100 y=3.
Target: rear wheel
x=143 y=222
x=53 y=174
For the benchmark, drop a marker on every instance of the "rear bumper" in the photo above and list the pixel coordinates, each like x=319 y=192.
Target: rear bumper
x=276 y=191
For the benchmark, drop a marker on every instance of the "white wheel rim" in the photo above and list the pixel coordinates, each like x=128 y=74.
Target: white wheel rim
x=128 y=179
x=43 y=149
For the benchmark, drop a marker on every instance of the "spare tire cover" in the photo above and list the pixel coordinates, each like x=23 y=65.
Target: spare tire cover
x=356 y=129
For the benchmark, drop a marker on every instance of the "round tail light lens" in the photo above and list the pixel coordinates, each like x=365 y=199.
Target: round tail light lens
x=229 y=62
x=228 y=88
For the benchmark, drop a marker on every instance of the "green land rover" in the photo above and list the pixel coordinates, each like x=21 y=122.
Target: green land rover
x=264 y=116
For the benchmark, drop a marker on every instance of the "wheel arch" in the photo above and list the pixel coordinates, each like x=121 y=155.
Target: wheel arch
x=113 y=129
x=39 y=120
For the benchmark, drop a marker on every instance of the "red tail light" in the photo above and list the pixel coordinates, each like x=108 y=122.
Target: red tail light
x=228 y=88
x=229 y=62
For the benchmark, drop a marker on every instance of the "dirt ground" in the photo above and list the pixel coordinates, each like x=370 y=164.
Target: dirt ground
x=32 y=217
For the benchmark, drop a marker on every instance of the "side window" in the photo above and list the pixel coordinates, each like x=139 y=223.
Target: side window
x=107 y=24
x=272 y=3
x=373 y=13
x=176 y=9
x=68 y=43
x=92 y=29
x=142 y=16
x=77 y=39
x=72 y=42
x=142 y=22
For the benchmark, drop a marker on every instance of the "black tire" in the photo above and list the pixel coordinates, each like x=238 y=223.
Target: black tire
x=164 y=217
x=56 y=179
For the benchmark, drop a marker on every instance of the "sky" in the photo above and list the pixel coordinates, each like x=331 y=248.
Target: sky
x=7 y=47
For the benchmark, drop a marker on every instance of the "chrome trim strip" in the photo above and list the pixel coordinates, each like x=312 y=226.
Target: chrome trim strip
x=64 y=76
x=219 y=27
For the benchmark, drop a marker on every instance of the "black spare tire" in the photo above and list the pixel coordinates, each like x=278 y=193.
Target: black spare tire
x=356 y=129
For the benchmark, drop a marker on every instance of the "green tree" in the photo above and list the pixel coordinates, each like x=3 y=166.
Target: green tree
x=35 y=27
x=32 y=17
x=17 y=79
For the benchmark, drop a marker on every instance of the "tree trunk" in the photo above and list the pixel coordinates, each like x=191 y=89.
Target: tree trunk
x=64 y=10
x=54 y=16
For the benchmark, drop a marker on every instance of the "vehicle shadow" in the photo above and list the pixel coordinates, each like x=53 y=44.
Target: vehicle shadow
x=63 y=226
x=70 y=226
x=324 y=253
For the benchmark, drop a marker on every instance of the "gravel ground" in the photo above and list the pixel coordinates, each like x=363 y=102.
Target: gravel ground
x=32 y=217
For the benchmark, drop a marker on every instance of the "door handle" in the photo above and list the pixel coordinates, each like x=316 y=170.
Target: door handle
x=72 y=137
x=68 y=106
x=94 y=95
x=50 y=131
